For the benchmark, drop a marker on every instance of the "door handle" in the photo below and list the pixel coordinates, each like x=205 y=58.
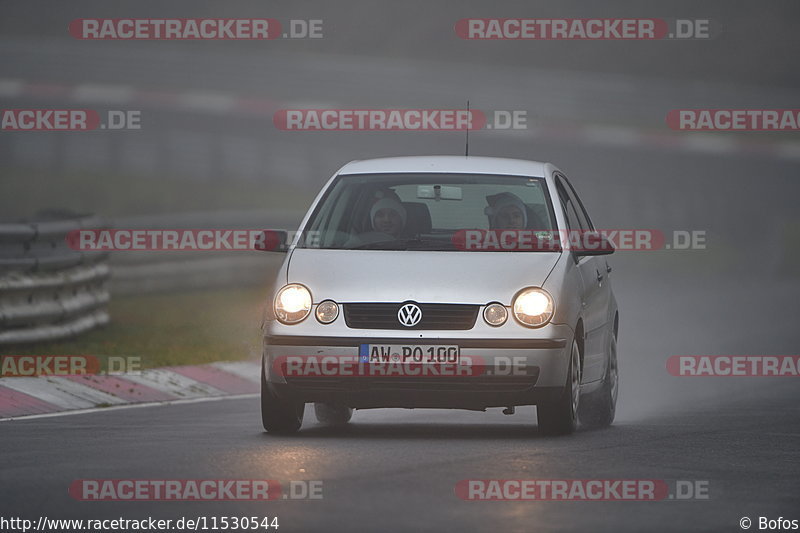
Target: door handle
x=599 y=276
x=608 y=268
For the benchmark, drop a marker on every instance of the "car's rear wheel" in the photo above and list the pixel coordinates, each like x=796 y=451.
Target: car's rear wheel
x=277 y=414
x=561 y=417
x=599 y=407
x=332 y=415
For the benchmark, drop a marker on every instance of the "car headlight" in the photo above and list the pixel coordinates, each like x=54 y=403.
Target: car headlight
x=292 y=303
x=327 y=311
x=495 y=314
x=533 y=307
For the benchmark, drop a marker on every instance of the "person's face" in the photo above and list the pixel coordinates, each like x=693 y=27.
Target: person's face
x=510 y=217
x=388 y=220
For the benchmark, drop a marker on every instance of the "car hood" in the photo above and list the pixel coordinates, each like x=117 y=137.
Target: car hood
x=421 y=276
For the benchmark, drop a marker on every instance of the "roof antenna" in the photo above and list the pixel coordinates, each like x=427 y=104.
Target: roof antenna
x=469 y=121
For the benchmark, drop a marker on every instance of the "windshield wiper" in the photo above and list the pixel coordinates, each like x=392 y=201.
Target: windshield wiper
x=415 y=243
x=394 y=244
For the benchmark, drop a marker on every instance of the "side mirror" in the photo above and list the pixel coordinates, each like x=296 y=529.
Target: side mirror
x=592 y=243
x=273 y=240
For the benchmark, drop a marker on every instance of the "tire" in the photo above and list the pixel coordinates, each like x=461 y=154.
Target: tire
x=561 y=417
x=598 y=408
x=332 y=415
x=279 y=415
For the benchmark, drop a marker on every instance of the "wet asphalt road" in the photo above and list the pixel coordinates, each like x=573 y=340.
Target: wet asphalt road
x=396 y=470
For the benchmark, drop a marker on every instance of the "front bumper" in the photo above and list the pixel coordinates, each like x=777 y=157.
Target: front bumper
x=511 y=371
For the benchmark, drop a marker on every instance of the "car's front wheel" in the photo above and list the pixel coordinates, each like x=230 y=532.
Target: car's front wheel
x=279 y=415
x=332 y=415
x=599 y=407
x=561 y=417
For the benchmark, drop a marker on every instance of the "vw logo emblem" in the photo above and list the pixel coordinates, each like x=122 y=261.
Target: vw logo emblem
x=409 y=315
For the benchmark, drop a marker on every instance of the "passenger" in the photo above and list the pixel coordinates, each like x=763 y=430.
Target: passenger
x=506 y=211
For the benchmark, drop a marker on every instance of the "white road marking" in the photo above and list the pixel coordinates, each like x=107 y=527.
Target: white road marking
x=243 y=369
x=61 y=392
x=173 y=383
x=131 y=406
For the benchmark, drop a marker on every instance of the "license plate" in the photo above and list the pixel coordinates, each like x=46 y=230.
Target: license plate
x=433 y=354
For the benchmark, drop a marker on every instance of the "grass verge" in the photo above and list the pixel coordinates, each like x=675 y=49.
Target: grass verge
x=174 y=328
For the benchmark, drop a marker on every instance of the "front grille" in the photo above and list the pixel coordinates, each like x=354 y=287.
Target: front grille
x=434 y=316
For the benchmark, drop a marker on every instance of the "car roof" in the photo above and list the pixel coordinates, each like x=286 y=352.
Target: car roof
x=447 y=163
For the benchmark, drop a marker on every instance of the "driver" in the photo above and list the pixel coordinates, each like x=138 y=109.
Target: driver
x=388 y=216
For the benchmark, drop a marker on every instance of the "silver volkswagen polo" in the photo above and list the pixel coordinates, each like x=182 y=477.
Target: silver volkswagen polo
x=443 y=282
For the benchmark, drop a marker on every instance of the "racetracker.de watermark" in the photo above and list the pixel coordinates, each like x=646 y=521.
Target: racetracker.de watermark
x=69 y=120
x=734 y=365
x=105 y=240
x=583 y=29
x=479 y=240
x=734 y=119
x=398 y=119
x=581 y=490
x=194 y=489
x=194 y=29
x=410 y=362
x=66 y=365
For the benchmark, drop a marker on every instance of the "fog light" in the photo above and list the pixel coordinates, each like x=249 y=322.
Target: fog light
x=327 y=311
x=495 y=314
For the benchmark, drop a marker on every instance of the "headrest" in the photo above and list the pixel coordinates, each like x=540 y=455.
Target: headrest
x=418 y=218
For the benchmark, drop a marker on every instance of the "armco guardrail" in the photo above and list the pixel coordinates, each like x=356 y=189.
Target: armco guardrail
x=47 y=290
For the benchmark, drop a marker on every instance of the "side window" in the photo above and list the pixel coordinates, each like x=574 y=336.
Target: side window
x=569 y=210
x=579 y=205
x=573 y=206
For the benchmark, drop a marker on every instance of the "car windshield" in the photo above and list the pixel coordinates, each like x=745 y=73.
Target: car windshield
x=418 y=211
